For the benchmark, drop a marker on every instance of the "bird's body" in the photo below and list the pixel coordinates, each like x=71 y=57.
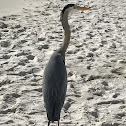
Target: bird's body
x=54 y=88
x=55 y=75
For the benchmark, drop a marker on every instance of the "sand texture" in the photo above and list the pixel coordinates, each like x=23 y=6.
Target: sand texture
x=95 y=62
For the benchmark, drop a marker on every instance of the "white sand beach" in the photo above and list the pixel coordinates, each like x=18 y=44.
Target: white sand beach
x=30 y=30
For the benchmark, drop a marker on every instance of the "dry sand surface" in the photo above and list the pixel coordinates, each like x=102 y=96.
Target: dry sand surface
x=8 y=7
x=95 y=61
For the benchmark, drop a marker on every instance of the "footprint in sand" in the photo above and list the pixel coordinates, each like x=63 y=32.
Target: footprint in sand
x=3 y=25
x=122 y=61
x=8 y=103
x=4 y=81
x=118 y=71
x=30 y=57
x=5 y=56
x=5 y=43
x=67 y=105
x=45 y=46
x=109 y=124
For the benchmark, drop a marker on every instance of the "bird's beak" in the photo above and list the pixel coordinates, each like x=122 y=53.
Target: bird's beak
x=83 y=8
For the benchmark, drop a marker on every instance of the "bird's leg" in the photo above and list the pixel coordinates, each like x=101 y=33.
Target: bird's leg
x=48 y=123
x=58 y=122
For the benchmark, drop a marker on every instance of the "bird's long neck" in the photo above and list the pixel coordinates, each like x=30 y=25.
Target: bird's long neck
x=66 y=28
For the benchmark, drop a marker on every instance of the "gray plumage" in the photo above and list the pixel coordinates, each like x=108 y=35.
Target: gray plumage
x=55 y=75
x=54 y=86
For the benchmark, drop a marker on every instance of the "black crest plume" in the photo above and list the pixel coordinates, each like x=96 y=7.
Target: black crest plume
x=66 y=7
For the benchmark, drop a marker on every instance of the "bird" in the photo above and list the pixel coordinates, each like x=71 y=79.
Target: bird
x=55 y=74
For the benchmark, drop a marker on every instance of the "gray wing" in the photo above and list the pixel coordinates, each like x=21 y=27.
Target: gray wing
x=54 y=86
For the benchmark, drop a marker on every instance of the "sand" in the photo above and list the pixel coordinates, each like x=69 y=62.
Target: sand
x=95 y=62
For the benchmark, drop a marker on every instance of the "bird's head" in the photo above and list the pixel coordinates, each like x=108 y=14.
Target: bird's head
x=71 y=7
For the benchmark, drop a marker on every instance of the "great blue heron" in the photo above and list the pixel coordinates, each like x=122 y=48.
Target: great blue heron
x=55 y=75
